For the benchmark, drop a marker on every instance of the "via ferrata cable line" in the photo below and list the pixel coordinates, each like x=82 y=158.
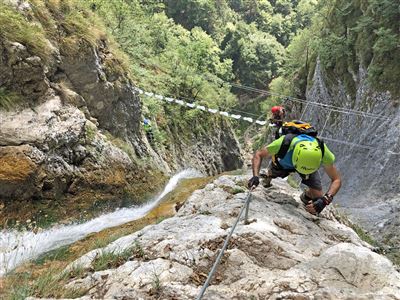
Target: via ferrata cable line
x=251 y=120
x=221 y=253
x=299 y=100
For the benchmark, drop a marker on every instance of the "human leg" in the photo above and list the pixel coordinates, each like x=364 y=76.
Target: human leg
x=273 y=171
x=314 y=191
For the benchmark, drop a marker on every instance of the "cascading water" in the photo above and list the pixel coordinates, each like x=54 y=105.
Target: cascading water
x=19 y=247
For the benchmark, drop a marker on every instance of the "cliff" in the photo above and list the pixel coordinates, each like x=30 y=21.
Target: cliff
x=71 y=122
x=285 y=253
x=370 y=163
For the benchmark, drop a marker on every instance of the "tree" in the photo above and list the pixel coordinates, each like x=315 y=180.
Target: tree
x=209 y=15
x=256 y=55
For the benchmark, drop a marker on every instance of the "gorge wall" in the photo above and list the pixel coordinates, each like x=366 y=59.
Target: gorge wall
x=76 y=130
x=370 y=164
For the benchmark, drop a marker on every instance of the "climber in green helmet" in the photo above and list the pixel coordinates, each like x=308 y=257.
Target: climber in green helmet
x=303 y=154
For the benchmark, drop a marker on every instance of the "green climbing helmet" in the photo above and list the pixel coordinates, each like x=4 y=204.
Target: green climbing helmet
x=307 y=157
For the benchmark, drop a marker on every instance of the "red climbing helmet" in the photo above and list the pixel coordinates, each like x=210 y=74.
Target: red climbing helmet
x=277 y=110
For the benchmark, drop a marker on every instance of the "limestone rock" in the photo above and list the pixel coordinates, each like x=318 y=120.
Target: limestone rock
x=54 y=150
x=372 y=192
x=21 y=72
x=77 y=129
x=285 y=254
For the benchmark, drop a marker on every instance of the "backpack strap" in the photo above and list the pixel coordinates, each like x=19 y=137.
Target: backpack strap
x=321 y=145
x=287 y=140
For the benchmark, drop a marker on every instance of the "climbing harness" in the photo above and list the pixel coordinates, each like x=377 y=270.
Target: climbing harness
x=221 y=253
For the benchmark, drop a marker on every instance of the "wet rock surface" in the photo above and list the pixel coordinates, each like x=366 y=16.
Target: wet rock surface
x=285 y=254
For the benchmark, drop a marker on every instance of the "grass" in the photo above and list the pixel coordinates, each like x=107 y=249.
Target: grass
x=8 y=99
x=61 y=253
x=160 y=219
x=363 y=235
x=156 y=284
x=112 y=259
x=233 y=190
x=342 y=218
x=138 y=250
x=382 y=247
x=47 y=278
x=15 y=27
x=90 y=132
x=30 y=279
x=49 y=284
x=69 y=23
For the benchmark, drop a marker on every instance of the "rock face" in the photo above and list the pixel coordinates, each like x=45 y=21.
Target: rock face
x=212 y=152
x=52 y=147
x=22 y=72
x=55 y=151
x=108 y=96
x=370 y=164
x=79 y=129
x=285 y=254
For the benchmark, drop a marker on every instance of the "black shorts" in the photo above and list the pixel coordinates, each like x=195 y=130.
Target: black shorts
x=312 y=181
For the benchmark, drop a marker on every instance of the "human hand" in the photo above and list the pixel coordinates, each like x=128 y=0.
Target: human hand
x=254 y=181
x=316 y=206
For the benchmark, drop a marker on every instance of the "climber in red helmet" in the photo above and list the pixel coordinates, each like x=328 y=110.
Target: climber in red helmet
x=278 y=114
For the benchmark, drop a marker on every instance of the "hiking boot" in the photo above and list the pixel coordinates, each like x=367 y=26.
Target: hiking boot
x=304 y=198
x=266 y=180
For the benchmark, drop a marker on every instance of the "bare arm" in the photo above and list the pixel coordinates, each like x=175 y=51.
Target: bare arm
x=336 y=180
x=334 y=187
x=257 y=160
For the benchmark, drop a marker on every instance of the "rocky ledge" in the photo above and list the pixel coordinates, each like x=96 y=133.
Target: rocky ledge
x=286 y=253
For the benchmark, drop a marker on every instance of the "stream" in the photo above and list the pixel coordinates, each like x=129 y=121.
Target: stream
x=17 y=247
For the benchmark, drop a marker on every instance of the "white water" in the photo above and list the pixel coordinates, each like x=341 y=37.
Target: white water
x=19 y=247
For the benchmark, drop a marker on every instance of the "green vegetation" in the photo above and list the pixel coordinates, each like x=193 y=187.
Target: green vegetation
x=90 y=132
x=156 y=284
x=49 y=284
x=112 y=259
x=160 y=219
x=259 y=54
x=344 y=219
x=233 y=190
x=8 y=99
x=16 y=28
x=68 y=23
x=363 y=235
x=205 y=212
x=61 y=253
x=345 y=35
x=138 y=250
x=188 y=55
x=192 y=55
